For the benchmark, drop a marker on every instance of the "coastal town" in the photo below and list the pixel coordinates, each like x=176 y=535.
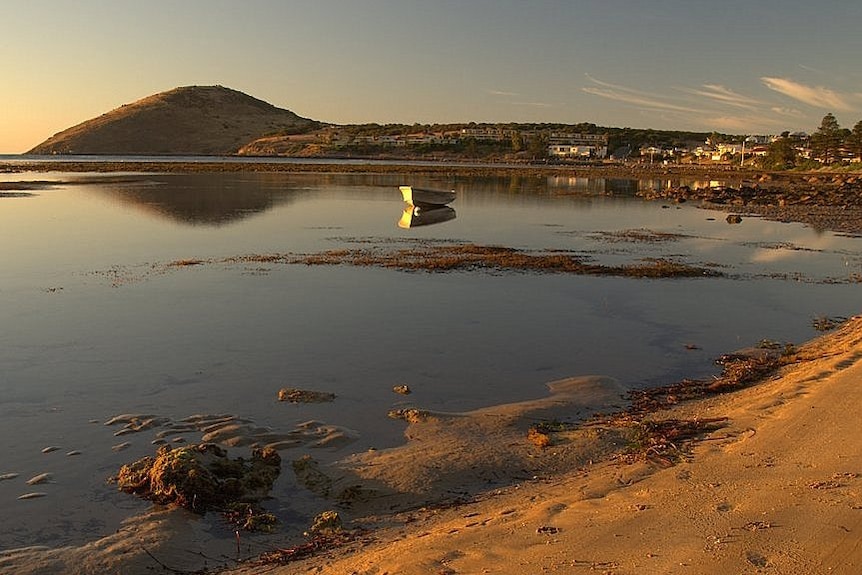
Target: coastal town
x=566 y=144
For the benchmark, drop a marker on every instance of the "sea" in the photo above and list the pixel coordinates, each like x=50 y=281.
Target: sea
x=150 y=295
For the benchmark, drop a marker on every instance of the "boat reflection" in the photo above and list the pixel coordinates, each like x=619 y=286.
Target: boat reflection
x=425 y=207
x=414 y=216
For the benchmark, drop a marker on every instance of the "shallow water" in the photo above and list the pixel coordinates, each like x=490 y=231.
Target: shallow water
x=96 y=324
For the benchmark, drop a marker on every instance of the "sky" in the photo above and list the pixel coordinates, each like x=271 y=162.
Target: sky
x=740 y=67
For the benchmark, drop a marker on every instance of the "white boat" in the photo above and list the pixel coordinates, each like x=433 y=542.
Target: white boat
x=426 y=197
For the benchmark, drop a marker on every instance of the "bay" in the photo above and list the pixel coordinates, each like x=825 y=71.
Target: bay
x=96 y=322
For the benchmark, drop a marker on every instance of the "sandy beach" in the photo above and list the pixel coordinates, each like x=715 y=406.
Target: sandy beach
x=775 y=490
x=773 y=487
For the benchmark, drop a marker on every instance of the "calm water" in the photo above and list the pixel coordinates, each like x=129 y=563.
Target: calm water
x=94 y=325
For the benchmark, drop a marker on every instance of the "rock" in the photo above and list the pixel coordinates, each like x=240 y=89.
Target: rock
x=410 y=415
x=734 y=219
x=327 y=523
x=294 y=395
x=200 y=477
x=402 y=389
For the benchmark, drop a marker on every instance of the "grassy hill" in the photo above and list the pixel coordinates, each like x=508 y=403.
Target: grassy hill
x=194 y=120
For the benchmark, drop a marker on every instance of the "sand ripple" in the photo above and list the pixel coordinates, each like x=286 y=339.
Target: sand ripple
x=231 y=431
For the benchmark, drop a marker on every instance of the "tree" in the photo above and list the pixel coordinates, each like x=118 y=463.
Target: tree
x=517 y=141
x=854 y=140
x=538 y=146
x=826 y=141
x=780 y=155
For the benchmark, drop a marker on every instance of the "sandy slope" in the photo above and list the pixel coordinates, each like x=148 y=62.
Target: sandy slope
x=779 y=490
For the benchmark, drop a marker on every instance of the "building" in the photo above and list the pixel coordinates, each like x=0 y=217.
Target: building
x=571 y=145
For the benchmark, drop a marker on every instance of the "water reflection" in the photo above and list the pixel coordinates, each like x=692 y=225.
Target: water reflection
x=209 y=200
x=415 y=216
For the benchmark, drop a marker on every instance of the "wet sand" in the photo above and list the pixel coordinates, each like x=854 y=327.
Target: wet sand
x=775 y=490
x=774 y=487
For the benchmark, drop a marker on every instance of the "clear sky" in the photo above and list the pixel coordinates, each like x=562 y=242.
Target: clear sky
x=736 y=66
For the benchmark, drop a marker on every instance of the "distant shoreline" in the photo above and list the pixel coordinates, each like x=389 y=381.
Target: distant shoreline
x=823 y=200
x=368 y=165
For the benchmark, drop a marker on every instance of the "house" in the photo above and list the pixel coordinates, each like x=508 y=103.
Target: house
x=575 y=145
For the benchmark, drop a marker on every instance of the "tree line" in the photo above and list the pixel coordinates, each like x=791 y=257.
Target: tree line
x=829 y=144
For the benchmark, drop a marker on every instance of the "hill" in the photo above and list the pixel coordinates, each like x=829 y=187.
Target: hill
x=193 y=120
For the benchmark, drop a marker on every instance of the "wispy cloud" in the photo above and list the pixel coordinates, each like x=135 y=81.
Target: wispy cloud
x=817 y=96
x=716 y=106
x=632 y=96
x=788 y=112
x=742 y=124
x=503 y=93
x=533 y=104
x=722 y=95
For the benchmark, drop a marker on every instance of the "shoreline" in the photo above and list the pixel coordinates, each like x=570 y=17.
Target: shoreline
x=773 y=488
x=826 y=201
x=771 y=483
x=372 y=165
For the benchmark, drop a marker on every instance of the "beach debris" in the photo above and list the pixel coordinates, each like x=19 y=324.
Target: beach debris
x=315 y=545
x=825 y=323
x=73 y=453
x=39 y=479
x=250 y=517
x=540 y=434
x=200 y=477
x=444 y=257
x=121 y=446
x=757 y=525
x=294 y=395
x=326 y=523
x=739 y=370
x=663 y=441
x=50 y=449
x=33 y=495
x=7 y=476
x=403 y=389
x=538 y=437
x=756 y=559
x=309 y=475
x=410 y=414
